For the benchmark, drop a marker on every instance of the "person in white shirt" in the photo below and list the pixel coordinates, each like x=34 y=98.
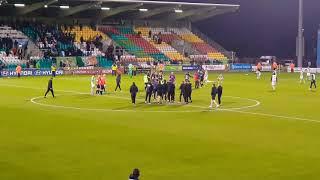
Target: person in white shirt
x=313 y=82
x=302 y=80
x=274 y=81
x=308 y=74
x=93 y=84
x=258 y=72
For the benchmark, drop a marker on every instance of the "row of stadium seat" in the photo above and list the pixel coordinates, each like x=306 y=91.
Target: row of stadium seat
x=164 y=48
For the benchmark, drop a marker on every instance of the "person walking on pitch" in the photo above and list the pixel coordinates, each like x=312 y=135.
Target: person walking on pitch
x=313 y=82
x=133 y=91
x=50 y=88
x=118 y=81
x=214 y=92
x=219 y=91
x=93 y=84
x=18 y=70
x=302 y=80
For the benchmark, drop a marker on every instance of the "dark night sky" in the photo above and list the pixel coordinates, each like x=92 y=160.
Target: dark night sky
x=263 y=27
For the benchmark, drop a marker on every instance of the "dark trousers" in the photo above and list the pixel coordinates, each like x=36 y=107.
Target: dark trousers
x=148 y=97
x=196 y=84
x=181 y=95
x=51 y=90
x=133 y=98
x=19 y=75
x=118 y=86
x=313 y=83
x=219 y=98
x=53 y=73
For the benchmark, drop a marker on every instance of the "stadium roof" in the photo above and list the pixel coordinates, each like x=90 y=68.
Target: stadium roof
x=115 y=9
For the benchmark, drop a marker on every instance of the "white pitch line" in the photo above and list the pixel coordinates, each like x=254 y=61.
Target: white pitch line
x=230 y=110
x=33 y=100
x=257 y=103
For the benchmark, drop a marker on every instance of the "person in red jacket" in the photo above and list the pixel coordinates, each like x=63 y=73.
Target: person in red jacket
x=196 y=80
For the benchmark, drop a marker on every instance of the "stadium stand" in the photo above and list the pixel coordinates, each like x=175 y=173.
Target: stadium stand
x=89 y=41
x=153 y=36
x=134 y=43
x=51 y=39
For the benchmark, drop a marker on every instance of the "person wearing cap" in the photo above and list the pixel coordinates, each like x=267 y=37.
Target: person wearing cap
x=133 y=91
x=50 y=88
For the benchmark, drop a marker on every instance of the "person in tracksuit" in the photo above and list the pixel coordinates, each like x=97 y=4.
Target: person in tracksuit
x=219 y=91
x=149 y=91
x=313 y=82
x=182 y=91
x=165 y=90
x=133 y=91
x=118 y=81
x=50 y=88
x=188 y=92
x=171 y=92
x=214 y=92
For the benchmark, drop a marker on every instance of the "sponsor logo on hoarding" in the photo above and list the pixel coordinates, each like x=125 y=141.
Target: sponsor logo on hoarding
x=214 y=67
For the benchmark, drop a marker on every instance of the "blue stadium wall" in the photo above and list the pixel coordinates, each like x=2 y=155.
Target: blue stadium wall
x=318 y=50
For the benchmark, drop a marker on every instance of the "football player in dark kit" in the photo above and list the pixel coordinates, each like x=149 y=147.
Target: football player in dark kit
x=171 y=92
x=214 y=92
x=313 y=82
x=219 y=90
x=50 y=88
x=182 y=91
x=165 y=90
x=149 y=91
x=187 y=92
x=133 y=91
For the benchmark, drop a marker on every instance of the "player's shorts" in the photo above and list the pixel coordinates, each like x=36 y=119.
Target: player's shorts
x=273 y=83
x=308 y=74
x=98 y=86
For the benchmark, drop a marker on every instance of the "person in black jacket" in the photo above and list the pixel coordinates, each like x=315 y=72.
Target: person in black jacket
x=118 y=81
x=188 y=92
x=171 y=92
x=214 y=92
x=133 y=91
x=149 y=91
x=219 y=93
x=134 y=175
x=50 y=88
x=165 y=90
x=182 y=91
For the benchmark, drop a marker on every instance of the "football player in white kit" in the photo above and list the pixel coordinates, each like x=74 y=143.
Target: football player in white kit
x=220 y=79
x=93 y=84
x=258 y=72
x=206 y=76
x=302 y=80
x=308 y=74
x=274 y=81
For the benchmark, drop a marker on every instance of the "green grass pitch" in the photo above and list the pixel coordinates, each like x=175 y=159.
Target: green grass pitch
x=80 y=137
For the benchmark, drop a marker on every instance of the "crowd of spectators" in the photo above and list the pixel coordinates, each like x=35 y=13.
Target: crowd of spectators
x=50 y=38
